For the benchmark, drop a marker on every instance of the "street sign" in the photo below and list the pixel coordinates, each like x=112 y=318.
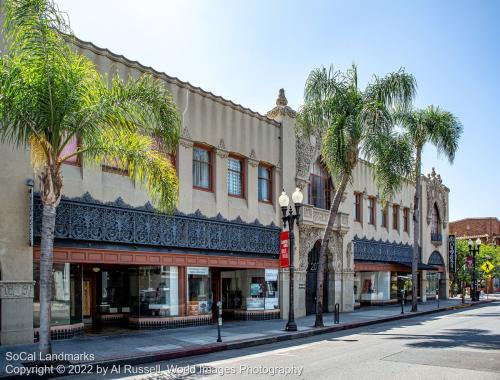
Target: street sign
x=452 y=253
x=487 y=266
x=469 y=262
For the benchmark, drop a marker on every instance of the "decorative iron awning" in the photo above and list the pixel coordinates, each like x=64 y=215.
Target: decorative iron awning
x=379 y=251
x=87 y=219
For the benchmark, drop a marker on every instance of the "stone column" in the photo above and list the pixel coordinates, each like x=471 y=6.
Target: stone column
x=423 y=286
x=185 y=172
x=220 y=176
x=16 y=312
x=251 y=186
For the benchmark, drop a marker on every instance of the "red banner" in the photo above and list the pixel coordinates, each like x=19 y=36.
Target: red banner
x=284 y=249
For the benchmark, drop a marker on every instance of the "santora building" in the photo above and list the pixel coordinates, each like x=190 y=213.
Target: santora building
x=118 y=262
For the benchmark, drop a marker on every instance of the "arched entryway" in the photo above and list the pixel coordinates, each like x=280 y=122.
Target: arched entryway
x=312 y=280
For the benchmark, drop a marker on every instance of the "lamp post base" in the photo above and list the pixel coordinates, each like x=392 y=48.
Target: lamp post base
x=291 y=326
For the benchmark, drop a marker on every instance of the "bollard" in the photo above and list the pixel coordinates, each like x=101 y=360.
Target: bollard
x=336 y=314
x=402 y=301
x=437 y=297
x=219 y=321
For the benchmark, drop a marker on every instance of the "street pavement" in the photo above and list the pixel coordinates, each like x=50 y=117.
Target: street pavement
x=459 y=344
x=137 y=344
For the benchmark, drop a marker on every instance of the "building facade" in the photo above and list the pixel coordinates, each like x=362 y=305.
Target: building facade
x=117 y=261
x=487 y=229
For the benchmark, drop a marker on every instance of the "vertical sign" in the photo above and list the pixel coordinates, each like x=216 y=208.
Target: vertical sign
x=30 y=221
x=284 y=249
x=452 y=253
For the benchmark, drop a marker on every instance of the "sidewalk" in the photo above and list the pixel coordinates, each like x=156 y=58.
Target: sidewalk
x=147 y=346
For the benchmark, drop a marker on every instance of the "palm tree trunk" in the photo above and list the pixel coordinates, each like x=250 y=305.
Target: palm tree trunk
x=46 y=261
x=416 y=232
x=322 y=253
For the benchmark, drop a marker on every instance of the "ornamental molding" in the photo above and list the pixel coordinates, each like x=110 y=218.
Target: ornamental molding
x=305 y=152
x=222 y=145
x=185 y=133
x=437 y=194
x=87 y=219
x=16 y=289
x=436 y=259
x=282 y=108
x=252 y=159
x=308 y=236
x=222 y=153
x=186 y=143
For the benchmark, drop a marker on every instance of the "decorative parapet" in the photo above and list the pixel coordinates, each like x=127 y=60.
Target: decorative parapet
x=87 y=219
x=282 y=108
x=319 y=218
x=437 y=193
x=17 y=289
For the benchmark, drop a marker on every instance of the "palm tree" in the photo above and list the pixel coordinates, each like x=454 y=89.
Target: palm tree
x=442 y=129
x=352 y=122
x=50 y=95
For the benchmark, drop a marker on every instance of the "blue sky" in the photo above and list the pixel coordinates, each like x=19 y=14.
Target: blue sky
x=247 y=50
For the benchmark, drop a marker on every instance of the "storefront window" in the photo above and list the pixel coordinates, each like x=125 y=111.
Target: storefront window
x=272 y=297
x=66 y=294
x=199 y=292
x=158 y=291
x=432 y=283
x=374 y=286
x=113 y=291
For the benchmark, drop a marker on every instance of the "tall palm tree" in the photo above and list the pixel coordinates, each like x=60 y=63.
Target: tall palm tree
x=49 y=95
x=441 y=129
x=353 y=122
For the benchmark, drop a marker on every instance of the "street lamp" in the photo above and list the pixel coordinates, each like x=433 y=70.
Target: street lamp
x=290 y=219
x=473 y=251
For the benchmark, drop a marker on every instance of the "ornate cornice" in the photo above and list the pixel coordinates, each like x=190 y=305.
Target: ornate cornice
x=282 y=108
x=382 y=251
x=87 y=219
x=437 y=194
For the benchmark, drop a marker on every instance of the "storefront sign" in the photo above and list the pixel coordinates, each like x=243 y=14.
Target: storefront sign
x=452 y=253
x=271 y=303
x=255 y=304
x=271 y=275
x=284 y=249
x=201 y=271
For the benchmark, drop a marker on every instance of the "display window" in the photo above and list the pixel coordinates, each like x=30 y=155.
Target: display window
x=156 y=291
x=199 y=291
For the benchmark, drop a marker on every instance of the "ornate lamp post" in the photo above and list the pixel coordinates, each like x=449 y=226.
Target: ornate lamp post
x=473 y=251
x=290 y=219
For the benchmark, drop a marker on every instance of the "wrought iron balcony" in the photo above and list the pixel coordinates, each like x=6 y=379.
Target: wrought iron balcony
x=436 y=238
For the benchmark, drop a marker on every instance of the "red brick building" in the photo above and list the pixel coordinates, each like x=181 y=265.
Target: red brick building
x=487 y=229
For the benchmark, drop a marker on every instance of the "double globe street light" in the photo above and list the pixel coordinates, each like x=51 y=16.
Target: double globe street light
x=290 y=219
x=473 y=251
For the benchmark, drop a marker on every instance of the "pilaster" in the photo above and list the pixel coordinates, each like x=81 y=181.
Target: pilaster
x=16 y=299
x=220 y=176
x=185 y=174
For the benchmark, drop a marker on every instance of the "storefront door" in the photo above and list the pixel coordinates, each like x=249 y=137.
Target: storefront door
x=216 y=292
x=87 y=299
x=312 y=281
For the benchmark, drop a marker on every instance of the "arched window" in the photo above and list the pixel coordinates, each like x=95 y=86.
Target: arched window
x=436 y=224
x=320 y=187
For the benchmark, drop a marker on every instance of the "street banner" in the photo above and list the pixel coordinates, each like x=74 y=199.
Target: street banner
x=452 y=253
x=469 y=262
x=284 y=249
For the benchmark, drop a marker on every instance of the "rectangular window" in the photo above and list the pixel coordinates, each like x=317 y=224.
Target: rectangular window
x=357 y=207
x=114 y=166
x=265 y=183
x=319 y=191
x=383 y=214
x=235 y=177
x=202 y=168
x=395 y=217
x=406 y=219
x=372 y=201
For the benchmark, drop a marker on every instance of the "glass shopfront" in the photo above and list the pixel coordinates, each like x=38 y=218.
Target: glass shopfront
x=66 y=294
x=199 y=292
x=250 y=289
x=432 y=283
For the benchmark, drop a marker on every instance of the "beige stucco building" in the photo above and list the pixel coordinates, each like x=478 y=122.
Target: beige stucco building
x=116 y=260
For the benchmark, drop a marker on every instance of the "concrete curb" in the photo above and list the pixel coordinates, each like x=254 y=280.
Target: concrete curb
x=244 y=343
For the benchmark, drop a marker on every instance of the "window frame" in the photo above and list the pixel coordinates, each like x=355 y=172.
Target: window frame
x=328 y=191
x=395 y=217
x=210 y=163
x=384 y=222
x=358 y=207
x=79 y=160
x=406 y=219
x=372 y=210
x=242 y=161
x=269 y=180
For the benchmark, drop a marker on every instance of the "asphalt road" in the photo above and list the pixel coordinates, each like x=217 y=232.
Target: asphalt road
x=449 y=345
